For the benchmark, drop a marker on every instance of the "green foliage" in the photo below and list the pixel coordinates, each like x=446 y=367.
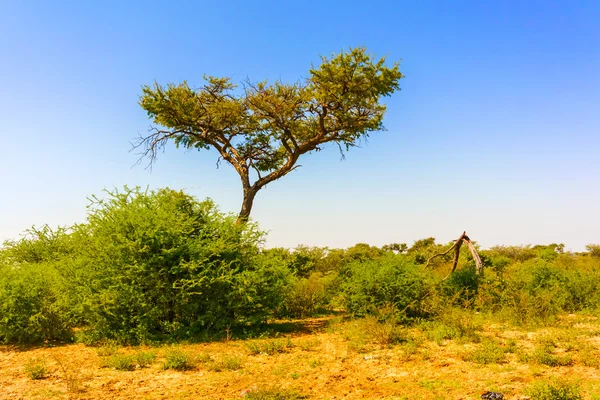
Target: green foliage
x=384 y=333
x=269 y=347
x=266 y=127
x=554 y=390
x=514 y=253
x=159 y=265
x=423 y=249
x=129 y=362
x=462 y=285
x=163 y=263
x=593 y=250
x=489 y=352
x=273 y=394
x=226 y=363
x=36 y=368
x=33 y=307
x=538 y=290
x=145 y=265
x=307 y=296
x=122 y=362
x=179 y=360
x=452 y=323
x=144 y=358
x=387 y=281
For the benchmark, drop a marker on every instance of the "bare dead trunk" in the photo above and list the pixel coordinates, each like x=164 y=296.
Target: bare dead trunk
x=249 y=194
x=456 y=246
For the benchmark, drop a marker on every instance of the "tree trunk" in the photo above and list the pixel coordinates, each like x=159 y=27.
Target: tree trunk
x=249 y=194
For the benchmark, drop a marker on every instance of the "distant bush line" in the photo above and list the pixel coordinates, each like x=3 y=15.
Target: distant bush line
x=151 y=266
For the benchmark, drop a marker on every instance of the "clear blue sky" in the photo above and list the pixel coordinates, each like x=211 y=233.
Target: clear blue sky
x=496 y=130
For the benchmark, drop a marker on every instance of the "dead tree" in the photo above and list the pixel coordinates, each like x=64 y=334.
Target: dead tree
x=456 y=246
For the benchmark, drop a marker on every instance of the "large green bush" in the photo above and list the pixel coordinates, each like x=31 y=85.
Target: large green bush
x=390 y=280
x=145 y=265
x=163 y=263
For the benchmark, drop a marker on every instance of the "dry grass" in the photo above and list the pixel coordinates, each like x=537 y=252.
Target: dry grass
x=348 y=360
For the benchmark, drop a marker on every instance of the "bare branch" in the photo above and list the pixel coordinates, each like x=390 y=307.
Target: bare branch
x=456 y=246
x=342 y=155
x=152 y=144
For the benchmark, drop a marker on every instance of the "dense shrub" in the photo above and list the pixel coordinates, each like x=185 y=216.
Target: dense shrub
x=145 y=264
x=309 y=296
x=163 y=263
x=389 y=280
x=462 y=285
x=33 y=305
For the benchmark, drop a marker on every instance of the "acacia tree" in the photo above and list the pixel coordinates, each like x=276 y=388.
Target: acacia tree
x=263 y=129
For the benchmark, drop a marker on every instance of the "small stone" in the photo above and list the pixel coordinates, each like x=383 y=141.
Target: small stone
x=492 y=396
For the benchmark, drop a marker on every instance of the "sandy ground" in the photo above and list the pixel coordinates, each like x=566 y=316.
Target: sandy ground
x=320 y=364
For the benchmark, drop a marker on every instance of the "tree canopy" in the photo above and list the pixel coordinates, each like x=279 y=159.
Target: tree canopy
x=263 y=129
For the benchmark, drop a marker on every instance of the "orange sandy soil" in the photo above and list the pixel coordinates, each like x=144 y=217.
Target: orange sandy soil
x=323 y=363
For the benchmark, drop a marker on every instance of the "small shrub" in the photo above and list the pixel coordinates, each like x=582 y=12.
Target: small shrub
x=129 y=362
x=511 y=346
x=36 y=368
x=544 y=354
x=122 y=362
x=364 y=332
x=489 y=353
x=524 y=357
x=309 y=344
x=273 y=394
x=204 y=358
x=108 y=348
x=384 y=333
x=554 y=390
x=410 y=348
x=588 y=357
x=144 y=358
x=227 y=362
x=315 y=363
x=178 y=360
x=269 y=347
x=438 y=332
x=452 y=323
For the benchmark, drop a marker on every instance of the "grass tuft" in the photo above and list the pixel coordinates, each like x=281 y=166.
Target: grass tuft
x=269 y=347
x=226 y=363
x=273 y=394
x=179 y=360
x=36 y=368
x=489 y=352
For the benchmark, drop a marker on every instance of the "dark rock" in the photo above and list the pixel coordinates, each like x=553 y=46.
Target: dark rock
x=492 y=396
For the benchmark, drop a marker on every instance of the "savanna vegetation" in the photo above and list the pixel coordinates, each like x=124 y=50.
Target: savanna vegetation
x=162 y=270
x=160 y=295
